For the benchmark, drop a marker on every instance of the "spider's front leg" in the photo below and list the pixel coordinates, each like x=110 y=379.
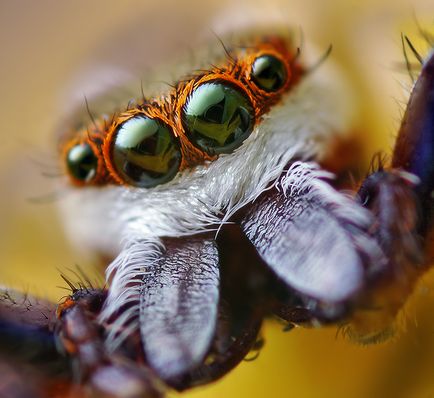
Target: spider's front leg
x=102 y=373
x=402 y=201
x=30 y=364
x=34 y=337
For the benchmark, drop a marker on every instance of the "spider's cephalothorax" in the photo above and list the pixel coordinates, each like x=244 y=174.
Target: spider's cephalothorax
x=216 y=201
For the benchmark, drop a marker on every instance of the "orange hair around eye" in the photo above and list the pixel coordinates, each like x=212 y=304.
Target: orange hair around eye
x=235 y=72
x=93 y=138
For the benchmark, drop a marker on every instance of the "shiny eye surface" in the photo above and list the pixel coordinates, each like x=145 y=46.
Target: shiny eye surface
x=82 y=162
x=268 y=73
x=145 y=153
x=218 y=118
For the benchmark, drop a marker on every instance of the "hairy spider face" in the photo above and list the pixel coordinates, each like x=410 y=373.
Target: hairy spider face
x=160 y=184
x=180 y=163
x=212 y=200
x=217 y=201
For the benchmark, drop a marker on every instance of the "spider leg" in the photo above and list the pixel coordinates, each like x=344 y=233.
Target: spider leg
x=104 y=374
x=414 y=149
x=401 y=199
x=30 y=364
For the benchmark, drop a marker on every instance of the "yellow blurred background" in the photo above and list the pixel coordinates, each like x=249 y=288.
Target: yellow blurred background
x=43 y=45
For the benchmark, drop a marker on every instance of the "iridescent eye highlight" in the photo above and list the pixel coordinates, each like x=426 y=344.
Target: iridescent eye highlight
x=218 y=117
x=268 y=73
x=81 y=162
x=145 y=152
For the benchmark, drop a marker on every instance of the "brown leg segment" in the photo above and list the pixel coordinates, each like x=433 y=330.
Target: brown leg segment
x=103 y=375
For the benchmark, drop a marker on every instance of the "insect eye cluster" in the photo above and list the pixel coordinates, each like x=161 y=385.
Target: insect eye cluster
x=211 y=114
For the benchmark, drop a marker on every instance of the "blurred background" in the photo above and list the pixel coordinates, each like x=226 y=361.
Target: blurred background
x=46 y=49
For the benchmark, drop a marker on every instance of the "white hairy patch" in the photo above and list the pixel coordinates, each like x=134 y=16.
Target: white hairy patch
x=130 y=266
x=305 y=176
x=113 y=219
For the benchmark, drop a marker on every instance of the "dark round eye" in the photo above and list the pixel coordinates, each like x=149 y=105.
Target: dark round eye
x=268 y=73
x=82 y=162
x=145 y=153
x=218 y=118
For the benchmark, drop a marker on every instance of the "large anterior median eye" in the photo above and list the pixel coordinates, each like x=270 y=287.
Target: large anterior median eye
x=218 y=117
x=268 y=73
x=145 y=153
x=82 y=162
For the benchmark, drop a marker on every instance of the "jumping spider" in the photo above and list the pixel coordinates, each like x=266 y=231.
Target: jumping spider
x=219 y=203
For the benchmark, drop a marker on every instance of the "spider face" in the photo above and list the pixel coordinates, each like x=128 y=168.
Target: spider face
x=190 y=158
x=214 y=200
x=178 y=167
x=235 y=143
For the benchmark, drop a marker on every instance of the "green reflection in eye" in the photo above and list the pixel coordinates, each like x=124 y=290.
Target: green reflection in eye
x=145 y=153
x=268 y=73
x=218 y=118
x=82 y=162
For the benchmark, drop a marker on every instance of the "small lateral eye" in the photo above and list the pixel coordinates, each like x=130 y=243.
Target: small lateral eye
x=145 y=152
x=82 y=163
x=268 y=73
x=218 y=117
